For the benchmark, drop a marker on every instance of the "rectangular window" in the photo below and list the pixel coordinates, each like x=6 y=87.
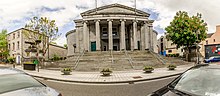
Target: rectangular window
x=14 y=36
x=169 y=51
x=104 y=32
x=13 y=46
x=18 y=45
x=18 y=34
x=207 y=42
x=214 y=40
x=9 y=47
x=114 y=32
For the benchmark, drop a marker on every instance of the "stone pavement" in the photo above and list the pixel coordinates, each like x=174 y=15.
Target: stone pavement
x=116 y=76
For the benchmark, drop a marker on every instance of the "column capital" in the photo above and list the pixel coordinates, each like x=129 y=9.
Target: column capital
x=85 y=21
x=122 y=19
x=109 y=19
x=135 y=21
x=97 y=20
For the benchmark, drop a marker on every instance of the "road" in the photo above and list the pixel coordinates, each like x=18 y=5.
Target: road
x=79 y=89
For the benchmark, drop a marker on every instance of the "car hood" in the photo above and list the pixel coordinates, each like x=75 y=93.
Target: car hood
x=33 y=91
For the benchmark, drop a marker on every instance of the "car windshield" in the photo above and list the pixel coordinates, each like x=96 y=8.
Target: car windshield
x=11 y=82
x=201 y=81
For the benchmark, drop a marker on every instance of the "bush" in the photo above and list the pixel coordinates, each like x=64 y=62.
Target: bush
x=66 y=69
x=148 y=69
x=11 y=60
x=55 y=58
x=106 y=72
x=171 y=67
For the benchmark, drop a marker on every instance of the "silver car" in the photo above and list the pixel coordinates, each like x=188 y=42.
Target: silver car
x=14 y=82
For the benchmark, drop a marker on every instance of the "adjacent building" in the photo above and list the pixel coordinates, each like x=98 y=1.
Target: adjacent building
x=113 y=27
x=16 y=44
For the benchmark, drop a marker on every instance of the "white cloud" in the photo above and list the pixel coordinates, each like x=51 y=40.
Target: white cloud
x=19 y=10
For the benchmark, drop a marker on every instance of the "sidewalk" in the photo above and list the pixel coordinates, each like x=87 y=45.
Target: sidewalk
x=116 y=76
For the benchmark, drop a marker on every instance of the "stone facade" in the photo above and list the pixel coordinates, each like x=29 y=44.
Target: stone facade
x=112 y=27
x=166 y=47
x=16 y=44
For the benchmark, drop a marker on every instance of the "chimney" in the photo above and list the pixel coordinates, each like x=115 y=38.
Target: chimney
x=218 y=28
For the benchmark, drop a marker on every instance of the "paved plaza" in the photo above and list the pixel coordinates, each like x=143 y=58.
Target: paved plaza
x=116 y=76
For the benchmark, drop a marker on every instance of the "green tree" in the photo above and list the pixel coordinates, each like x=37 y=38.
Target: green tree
x=4 y=52
x=46 y=27
x=186 y=31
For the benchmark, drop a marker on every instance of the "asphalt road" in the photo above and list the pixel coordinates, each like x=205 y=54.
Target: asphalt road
x=79 y=89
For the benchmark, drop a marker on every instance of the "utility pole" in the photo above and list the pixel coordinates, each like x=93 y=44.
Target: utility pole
x=96 y=6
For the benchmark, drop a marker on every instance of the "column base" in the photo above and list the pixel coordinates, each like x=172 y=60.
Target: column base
x=136 y=50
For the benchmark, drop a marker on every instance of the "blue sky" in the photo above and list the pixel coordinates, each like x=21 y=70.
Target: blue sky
x=16 y=13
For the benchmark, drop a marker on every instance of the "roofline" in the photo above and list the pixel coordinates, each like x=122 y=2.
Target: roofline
x=115 y=4
x=71 y=31
x=58 y=46
x=24 y=29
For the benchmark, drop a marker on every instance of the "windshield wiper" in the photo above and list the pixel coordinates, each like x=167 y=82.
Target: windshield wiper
x=178 y=92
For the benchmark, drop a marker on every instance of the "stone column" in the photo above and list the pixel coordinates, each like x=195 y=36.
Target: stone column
x=97 y=28
x=110 y=38
x=135 y=35
x=122 y=37
x=77 y=40
x=143 y=37
x=131 y=39
x=85 y=39
x=147 y=36
x=151 y=37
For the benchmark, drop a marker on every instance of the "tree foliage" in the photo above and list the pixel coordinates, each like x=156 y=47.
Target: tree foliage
x=44 y=30
x=4 y=52
x=185 y=30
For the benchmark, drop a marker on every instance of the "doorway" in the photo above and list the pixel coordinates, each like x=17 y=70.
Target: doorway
x=93 y=46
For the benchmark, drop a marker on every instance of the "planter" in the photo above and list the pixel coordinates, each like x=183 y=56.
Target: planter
x=29 y=67
x=106 y=73
x=66 y=72
x=171 y=68
x=148 y=70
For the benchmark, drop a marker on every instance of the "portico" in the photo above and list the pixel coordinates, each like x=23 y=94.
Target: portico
x=114 y=27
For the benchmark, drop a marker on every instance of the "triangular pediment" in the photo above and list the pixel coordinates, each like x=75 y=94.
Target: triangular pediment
x=115 y=9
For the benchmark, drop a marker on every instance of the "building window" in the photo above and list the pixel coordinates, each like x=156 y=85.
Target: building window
x=9 y=47
x=207 y=42
x=13 y=46
x=169 y=51
x=18 y=34
x=114 y=32
x=104 y=31
x=18 y=45
x=214 y=40
x=14 y=36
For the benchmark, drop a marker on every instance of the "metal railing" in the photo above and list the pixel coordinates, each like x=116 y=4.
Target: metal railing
x=77 y=60
x=129 y=59
x=157 y=56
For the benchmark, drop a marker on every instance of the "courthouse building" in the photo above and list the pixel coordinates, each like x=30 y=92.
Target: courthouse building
x=113 y=27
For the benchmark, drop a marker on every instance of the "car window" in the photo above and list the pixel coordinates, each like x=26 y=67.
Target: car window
x=202 y=81
x=12 y=82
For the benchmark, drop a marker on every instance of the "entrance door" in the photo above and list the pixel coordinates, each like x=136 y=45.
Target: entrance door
x=138 y=45
x=115 y=48
x=93 y=46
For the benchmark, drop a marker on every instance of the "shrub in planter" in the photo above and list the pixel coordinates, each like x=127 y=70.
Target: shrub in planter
x=11 y=60
x=171 y=67
x=66 y=71
x=148 y=69
x=106 y=72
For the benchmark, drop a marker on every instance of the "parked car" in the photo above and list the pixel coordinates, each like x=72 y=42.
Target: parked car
x=212 y=59
x=200 y=80
x=14 y=82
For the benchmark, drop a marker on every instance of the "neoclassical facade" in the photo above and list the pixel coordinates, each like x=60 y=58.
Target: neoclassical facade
x=112 y=27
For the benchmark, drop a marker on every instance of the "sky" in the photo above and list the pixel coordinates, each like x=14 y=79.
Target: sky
x=15 y=14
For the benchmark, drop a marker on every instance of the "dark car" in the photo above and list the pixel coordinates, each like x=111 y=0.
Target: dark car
x=14 y=82
x=212 y=59
x=200 y=80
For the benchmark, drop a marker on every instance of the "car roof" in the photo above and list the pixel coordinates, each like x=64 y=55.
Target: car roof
x=214 y=66
x=7 y=70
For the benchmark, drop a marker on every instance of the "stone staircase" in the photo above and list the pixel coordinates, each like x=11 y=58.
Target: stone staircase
x=115 y=60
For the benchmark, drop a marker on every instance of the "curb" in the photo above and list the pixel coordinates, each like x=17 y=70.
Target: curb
x=108 y=82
